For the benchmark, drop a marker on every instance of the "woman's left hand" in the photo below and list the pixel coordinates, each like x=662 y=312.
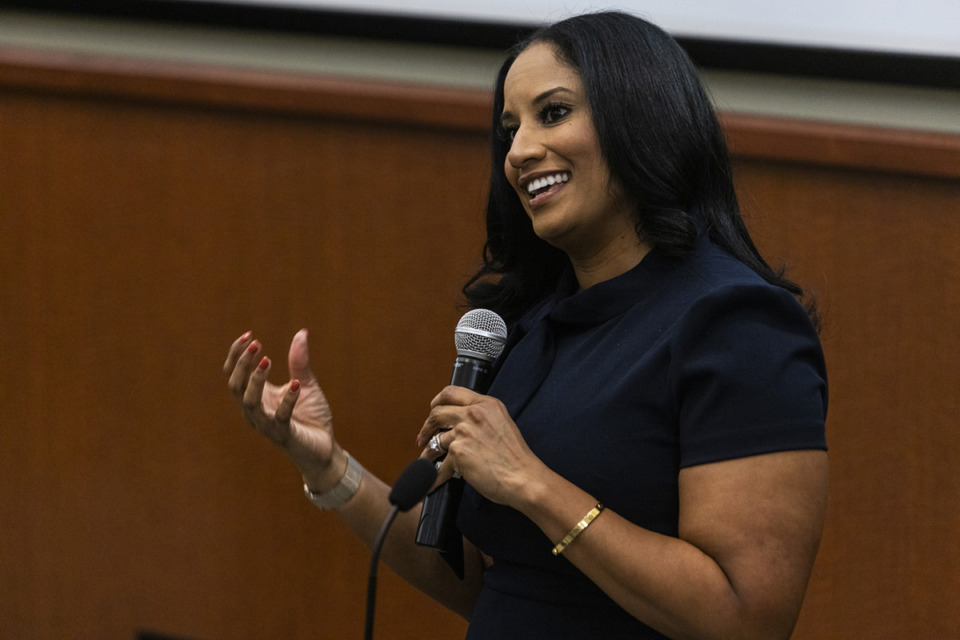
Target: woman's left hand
x=482 y=442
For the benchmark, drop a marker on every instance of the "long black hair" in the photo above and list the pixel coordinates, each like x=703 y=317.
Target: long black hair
x=661 y=140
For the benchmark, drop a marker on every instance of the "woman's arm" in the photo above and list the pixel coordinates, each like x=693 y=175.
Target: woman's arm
x=748 y=528
x=748 y=535
x=422 y=567
x=296 y=417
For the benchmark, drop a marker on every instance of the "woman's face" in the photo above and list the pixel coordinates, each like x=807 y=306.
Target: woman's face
x=554 y=162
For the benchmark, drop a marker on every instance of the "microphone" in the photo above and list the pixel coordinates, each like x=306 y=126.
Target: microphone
x=479 y=337
x=410 y=488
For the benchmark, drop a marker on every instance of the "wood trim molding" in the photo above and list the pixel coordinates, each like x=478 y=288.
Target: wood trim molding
x=844 y=145
x=244 y=89
x=749 y=136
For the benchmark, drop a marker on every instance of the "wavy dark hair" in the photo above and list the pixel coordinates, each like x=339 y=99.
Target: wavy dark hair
x=661 y=139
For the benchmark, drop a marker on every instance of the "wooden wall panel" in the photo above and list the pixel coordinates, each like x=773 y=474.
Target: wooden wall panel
x=882 y=251
x=139 y=240
x=149 y=214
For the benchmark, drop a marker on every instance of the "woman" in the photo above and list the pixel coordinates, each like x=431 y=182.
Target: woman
x=650 y=460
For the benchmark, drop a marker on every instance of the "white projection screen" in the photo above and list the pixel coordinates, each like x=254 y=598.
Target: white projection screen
x=922 y=27
x=913 y=42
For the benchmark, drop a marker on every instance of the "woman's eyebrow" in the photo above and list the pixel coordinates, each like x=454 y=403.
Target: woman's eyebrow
x=549 y=92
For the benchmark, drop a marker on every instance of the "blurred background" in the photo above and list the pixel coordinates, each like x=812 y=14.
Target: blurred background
x=175 y=173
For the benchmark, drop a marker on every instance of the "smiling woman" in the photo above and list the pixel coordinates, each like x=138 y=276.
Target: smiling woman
x=650 y=458
x=557 y=168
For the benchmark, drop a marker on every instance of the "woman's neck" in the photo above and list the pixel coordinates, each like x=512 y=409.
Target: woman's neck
x=604 y=265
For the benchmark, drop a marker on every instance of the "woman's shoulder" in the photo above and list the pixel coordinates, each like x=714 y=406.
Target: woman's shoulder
x=712 y=267
x=708 y=272
x=709 y=288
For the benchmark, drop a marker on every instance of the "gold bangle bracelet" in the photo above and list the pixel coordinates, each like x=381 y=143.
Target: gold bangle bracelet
x=577 y=530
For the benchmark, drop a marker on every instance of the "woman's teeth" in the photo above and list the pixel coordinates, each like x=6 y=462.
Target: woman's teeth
x=546 y=182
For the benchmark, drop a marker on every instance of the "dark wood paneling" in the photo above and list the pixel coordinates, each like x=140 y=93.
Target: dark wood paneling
x=149 y=213
x=139 y=240
x=882 y=252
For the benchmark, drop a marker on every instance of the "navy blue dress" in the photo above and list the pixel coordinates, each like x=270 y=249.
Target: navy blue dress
x=678 y=362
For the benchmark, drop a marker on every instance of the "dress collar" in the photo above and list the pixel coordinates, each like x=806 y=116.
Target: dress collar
x=607 y=299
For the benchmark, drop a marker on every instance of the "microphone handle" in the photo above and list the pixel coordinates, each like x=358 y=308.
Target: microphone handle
x=473 y=373
x=437 y=527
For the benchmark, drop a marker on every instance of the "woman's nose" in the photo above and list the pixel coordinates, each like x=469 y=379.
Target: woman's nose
x=526 y=146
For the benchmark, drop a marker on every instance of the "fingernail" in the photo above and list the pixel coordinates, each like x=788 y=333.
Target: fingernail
x=245 y=336
x=294 y=385
x=253 y=347
x=264 y=363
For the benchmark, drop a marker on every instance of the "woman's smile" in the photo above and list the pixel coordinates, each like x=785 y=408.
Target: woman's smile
x=541 y=186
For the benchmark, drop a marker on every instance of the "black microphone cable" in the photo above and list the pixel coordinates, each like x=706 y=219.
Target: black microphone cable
x=410 y=488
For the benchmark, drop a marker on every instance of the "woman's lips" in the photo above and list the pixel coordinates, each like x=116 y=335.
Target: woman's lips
x=542 y=196
x=544 y=185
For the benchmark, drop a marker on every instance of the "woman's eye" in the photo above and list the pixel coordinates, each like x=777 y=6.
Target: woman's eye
x=553 y=112
x=548 y=114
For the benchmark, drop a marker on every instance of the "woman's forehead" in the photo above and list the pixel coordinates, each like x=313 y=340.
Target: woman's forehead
x=536 y=69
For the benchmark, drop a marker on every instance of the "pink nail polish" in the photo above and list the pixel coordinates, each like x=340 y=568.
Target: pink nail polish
x=245 y=336
x=264 y=363
x=294 y=385
x=253 y=347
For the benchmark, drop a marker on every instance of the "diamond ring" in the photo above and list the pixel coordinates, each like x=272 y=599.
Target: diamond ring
x=435 y=445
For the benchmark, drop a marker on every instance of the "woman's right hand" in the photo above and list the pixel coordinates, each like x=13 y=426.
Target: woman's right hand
x=296 y=416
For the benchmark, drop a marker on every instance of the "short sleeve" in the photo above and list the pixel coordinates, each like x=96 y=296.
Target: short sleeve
x=748 y=375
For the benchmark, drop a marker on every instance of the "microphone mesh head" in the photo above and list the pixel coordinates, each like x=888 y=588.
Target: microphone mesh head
x=481 y=333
